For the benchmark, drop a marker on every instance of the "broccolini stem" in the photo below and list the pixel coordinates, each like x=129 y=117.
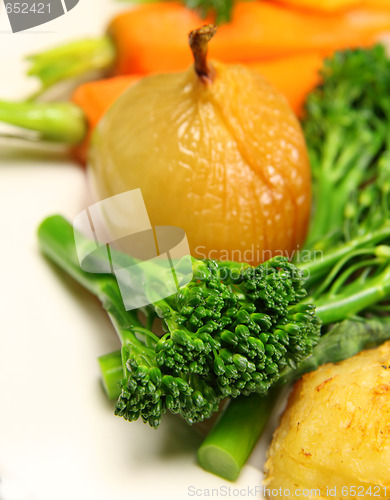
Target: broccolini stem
x=331 y=308
x=61 y=122
x=72 y=60
x=322 y=188
x=321 y=263
x=227 y=447
x=57 y=242
x=112 y=372
x=336 y=180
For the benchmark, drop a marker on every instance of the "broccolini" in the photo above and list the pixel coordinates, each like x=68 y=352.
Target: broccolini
x=231 y=331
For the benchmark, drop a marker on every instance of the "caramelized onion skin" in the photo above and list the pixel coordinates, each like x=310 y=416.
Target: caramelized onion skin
x=224 y=160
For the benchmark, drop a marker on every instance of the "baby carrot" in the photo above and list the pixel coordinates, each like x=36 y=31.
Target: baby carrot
x=327 y=6
x=95 y=97
x=324 y=5
x=153 y=37
x=293 y=76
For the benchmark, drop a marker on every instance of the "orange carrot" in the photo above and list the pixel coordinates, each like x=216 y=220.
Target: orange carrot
x=293 y=76
x=153 y=37
x=94 y=98
x=377 y=4
x=327 y=6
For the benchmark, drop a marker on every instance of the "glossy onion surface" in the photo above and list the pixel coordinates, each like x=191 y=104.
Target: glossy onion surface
x=225 y=160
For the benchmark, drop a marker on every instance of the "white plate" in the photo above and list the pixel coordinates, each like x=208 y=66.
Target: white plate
x=58 y=434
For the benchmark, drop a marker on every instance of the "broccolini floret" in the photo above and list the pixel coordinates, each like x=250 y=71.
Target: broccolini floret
x=232 y=329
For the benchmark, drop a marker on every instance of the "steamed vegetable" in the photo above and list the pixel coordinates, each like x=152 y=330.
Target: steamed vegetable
x=333 y=436
x=327 y=6
x=216 y=141
x=347 y=133
x=152 y=38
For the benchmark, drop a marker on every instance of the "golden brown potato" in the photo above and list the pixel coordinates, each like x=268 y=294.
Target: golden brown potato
x=333 y=440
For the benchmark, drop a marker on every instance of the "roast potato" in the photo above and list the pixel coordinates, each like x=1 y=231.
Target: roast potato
x=333 y=440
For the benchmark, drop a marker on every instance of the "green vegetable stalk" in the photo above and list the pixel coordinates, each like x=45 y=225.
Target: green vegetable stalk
x=61 y=122
x=71 y=60
x=346 y=130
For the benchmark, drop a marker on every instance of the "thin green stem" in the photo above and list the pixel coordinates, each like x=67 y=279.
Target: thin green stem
x=72 y=60
x=112 y=372
x=331 y=309
x=61 y=122
x=342 y=279
x=337 y=268
x=321 y=264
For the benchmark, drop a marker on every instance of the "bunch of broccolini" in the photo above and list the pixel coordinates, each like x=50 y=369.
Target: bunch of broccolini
x=230 y=331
